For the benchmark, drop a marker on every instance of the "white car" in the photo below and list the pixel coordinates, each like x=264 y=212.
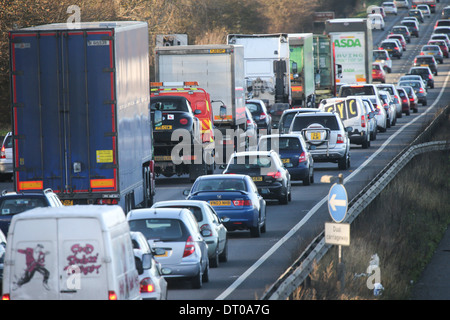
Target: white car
x=389 y=106
x=375 y=21
x=152 y=284
x=382 y=56
x=425 y=10
x=380 y=112
x=6 y=162
x=211 y=227
x=402 y=3
x=391 y=88
x=389 y=7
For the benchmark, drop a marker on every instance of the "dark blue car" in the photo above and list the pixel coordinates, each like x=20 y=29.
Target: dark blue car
x=235 y=199
x=294 y=154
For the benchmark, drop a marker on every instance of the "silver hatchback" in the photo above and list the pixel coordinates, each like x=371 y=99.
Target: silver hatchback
x=6 y=163
x=174 y=234
x=326 y=136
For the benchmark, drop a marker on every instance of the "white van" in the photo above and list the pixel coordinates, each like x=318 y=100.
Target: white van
x=353 y=114
x=81 y=252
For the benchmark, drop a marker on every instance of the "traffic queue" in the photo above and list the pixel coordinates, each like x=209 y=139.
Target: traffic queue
x=182 y=239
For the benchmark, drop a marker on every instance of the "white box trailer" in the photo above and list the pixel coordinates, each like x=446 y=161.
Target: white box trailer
x=219 y=69
x=266 y=59
x=352 y=40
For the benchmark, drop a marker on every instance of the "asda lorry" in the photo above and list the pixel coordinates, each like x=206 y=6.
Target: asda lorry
x=352 y=40
x=301 y=62
x=219 y=70
x=81 y=119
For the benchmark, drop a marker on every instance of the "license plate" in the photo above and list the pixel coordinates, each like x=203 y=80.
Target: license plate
x=220 y=202
x=165 y=254
x=424 y=65
x=257 y=178
x=67 y=202
x=165 y=127
x=315 y=136
x=430 y=53
x=286 y=160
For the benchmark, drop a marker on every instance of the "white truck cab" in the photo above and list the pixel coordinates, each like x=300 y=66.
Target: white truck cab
x=81 y=252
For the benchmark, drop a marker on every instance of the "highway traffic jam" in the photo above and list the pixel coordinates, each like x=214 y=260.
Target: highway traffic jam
x=246 y=121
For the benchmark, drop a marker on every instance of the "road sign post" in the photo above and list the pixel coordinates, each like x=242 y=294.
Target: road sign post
x=338 y=233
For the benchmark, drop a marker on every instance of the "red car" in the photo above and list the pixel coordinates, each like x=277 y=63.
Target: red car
x=378 y=73
x=406 y=107
x=442 y=45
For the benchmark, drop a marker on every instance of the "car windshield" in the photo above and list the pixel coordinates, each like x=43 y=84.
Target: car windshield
x=160 y=229
x=287 y=119
x=419 y=71
x=379 y=55
x=430 y=48
x=280 y=143
x=301 y=123
x=18 y=205
x=426 y=60
x=195 y=210
x=388 y=45
x=399 y=30
x=220 y=184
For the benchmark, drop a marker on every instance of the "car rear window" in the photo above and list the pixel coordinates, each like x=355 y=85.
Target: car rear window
x=18 y=205
x=169 y=104
x=160 y=229
x=303 y=122
x=419 y=71
x=280 y=143
x=357 y=91
x=220 y=185
x=8 y=142
x=254 y=108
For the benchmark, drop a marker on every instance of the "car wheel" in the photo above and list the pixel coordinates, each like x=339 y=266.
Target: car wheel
x=223 y=256
x=255 y=232
x=214 y=261
x=284 y=199
x=196 y=281
x=424 y=103
x=344 y=163
x=205 y=276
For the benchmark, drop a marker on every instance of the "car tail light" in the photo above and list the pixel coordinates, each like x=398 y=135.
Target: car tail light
x=189 y=247
x=206 y=230
x=422 y=53
x=6 y=297
x=112 y=295
x=340 y=138
x=249 y=121
x=363 y=121
x=302 y=157
x=3 y=153
x=240 y=203
x=380 y=48
x=262 y=116
x=146 y=286
x=430 y=77
x=396 y=48
x=183 y=121
x=421 y=90
x=275 y=175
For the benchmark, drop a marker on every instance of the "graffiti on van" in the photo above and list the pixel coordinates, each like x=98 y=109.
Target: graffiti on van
x=35 y=262
x=84 y=258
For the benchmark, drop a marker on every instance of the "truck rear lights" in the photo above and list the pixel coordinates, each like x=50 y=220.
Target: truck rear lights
x=147 y=286
x=189 y=247
x=107 y=201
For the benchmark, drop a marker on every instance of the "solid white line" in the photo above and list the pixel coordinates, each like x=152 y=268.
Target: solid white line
x=291 y=232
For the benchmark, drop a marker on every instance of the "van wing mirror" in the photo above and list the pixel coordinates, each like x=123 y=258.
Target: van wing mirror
x=157 y=118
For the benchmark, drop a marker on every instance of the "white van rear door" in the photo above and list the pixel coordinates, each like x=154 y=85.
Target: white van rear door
x=82 y=267
x=34 y=257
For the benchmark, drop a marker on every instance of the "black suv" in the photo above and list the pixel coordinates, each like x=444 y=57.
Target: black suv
x=12 y=203
x=425 y=73
x=426 y=61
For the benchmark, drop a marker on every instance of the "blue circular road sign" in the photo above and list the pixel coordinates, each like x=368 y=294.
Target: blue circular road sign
x=337 y=202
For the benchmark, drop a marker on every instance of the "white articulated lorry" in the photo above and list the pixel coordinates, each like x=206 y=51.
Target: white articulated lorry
x=219 y=69
x=266 y=65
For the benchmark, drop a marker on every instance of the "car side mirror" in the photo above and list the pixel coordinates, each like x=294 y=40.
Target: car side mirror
x=146 y=261
x=197 y=111
x=349 y=129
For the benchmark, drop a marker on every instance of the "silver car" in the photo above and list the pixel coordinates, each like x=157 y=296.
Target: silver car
x=6 y=163
x=326 y=136
x=211 y=227
x=394 y=95
x=175 y=232
x=153 y=286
